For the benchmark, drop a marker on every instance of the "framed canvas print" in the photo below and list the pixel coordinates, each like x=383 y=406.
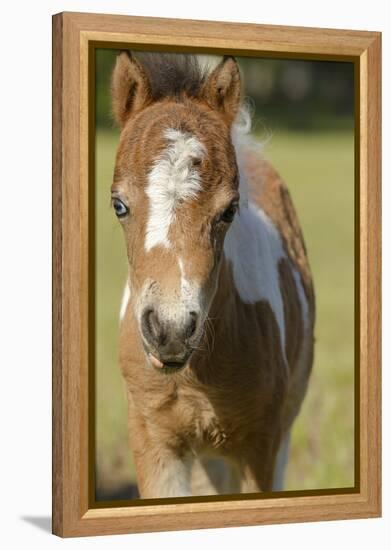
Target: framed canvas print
x=216 y=274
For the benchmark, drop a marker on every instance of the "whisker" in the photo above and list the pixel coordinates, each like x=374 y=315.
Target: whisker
x=211 y=329
x=204 y=336
x=197 y=348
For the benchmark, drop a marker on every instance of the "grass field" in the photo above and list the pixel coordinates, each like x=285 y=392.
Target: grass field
x=319 y=170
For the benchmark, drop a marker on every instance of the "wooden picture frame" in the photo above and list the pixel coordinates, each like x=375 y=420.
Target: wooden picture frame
x=75 y=35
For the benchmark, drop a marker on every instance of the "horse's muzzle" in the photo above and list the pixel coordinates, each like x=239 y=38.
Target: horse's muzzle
x=169 y=344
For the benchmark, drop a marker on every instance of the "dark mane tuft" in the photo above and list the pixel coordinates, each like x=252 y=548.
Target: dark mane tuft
x=172 y=74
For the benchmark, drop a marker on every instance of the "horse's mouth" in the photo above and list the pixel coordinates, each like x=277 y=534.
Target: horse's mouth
x=168 y=366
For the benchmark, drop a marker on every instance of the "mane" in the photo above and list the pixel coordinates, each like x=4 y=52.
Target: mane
x=172 y=74
x=243 y=141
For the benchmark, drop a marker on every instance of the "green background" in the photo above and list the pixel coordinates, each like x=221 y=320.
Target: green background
x=303 y=114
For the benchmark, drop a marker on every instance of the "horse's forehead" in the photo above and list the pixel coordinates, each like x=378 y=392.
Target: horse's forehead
x=174 y=179
x=179 y=127
x=189 y=117
x=173 y=160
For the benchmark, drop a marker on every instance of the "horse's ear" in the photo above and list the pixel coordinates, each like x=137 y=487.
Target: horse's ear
x=223 y=89
x=130 y=88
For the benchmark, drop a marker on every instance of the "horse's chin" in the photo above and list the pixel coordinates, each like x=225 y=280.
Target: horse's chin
x=168 y=367
x=171 y=369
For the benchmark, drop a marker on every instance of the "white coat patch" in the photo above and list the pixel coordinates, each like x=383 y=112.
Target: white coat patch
x=173 y=479
x=124 y=302
x=173 y=179
x=190 y=295
x=254 y=248
x=189 y=291
x=252 y=243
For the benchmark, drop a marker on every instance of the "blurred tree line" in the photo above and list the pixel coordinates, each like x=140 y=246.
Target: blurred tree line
x=289 y=94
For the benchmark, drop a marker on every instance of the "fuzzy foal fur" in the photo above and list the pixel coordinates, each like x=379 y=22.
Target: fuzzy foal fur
x=216 y=425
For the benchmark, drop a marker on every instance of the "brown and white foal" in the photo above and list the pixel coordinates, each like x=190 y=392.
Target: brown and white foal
x=216 y=336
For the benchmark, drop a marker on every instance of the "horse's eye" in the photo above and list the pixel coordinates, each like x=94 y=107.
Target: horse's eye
x=196 y=161
x=120 y=208
x=229 y=213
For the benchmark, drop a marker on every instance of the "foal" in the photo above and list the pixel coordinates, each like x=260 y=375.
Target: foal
x=216 y=336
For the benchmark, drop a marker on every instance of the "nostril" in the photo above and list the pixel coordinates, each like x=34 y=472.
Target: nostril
x=152 y=327
x=153 y=323
x=191 y=324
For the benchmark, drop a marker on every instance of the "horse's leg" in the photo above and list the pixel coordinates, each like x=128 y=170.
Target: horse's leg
x=281 y=462
x=160 y=471
x=257 y=465
x=211 y=476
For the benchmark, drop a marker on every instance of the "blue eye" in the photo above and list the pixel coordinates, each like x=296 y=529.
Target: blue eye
x=120 y=209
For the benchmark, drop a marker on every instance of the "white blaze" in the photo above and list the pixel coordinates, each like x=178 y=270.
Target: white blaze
x=187 y=289
x=190 y=292
x=173 y=179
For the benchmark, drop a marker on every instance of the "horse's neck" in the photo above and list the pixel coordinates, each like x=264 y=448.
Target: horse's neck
x=249 y=272
x=239 y=232
x=222 y=312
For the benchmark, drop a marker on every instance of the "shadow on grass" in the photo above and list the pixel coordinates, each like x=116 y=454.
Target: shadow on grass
x=126 y=492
